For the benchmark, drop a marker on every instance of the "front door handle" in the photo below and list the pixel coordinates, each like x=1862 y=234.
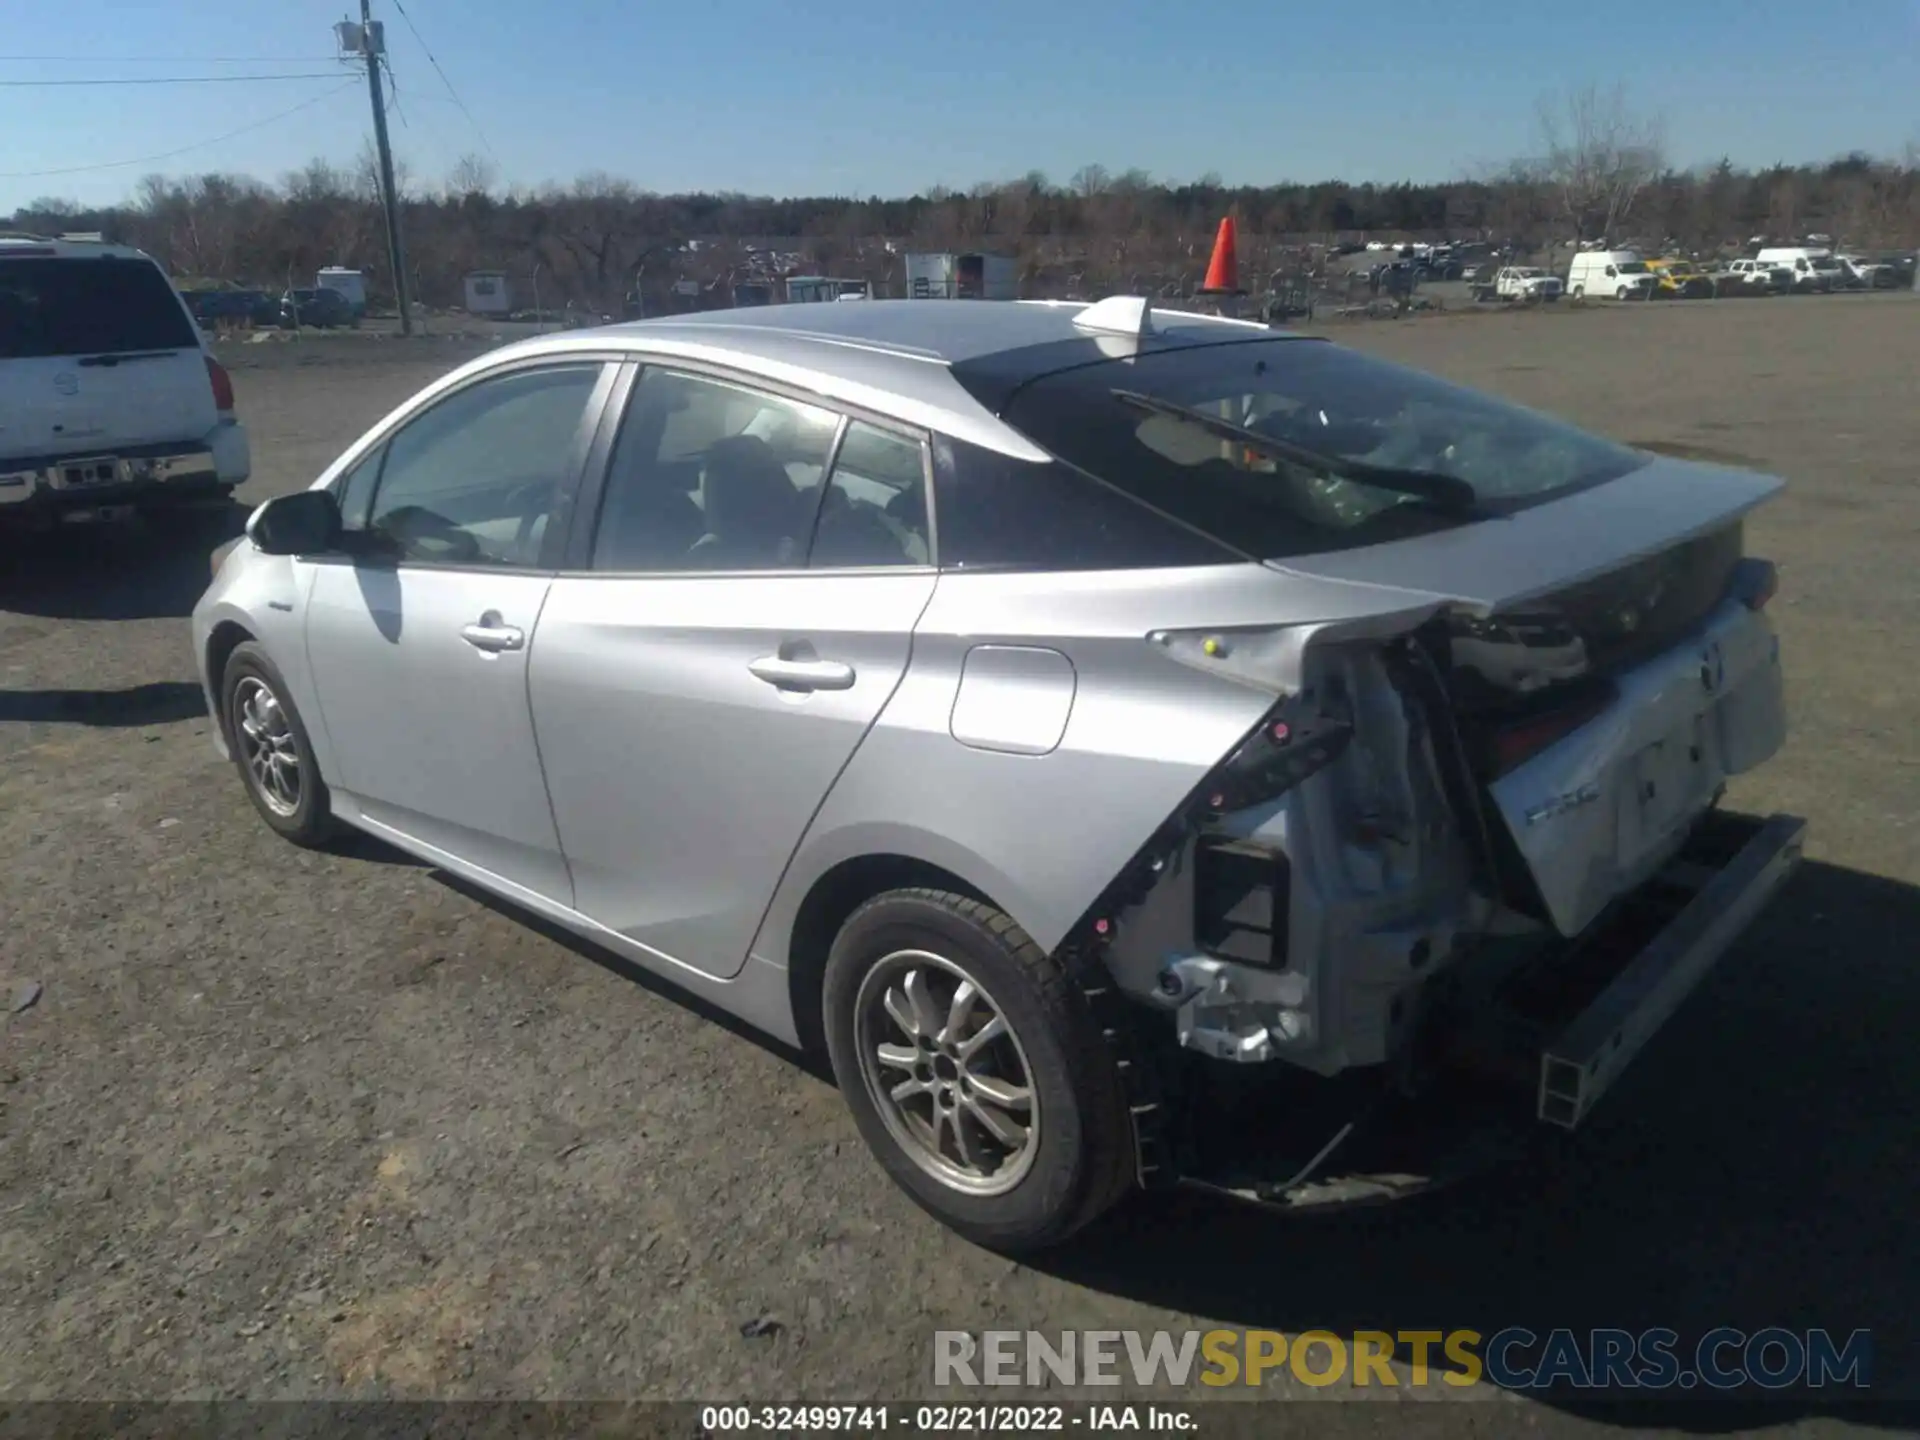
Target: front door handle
x=492 y=634
x=802 y=674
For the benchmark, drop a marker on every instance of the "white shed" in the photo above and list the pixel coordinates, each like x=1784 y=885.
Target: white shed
x=488 y=293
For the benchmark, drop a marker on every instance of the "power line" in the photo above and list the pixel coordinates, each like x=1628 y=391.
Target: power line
x=172 y=80
x=451 y=92
x=164 y=59
x=184 y=149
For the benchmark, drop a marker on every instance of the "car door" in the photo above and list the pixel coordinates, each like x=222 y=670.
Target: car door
x=730 y=624
x=418 y=635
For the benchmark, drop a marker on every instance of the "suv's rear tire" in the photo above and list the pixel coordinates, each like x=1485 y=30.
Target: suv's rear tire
x=270 y=748
x=956 y=1142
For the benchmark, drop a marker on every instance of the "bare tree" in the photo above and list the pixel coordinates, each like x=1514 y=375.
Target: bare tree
x=1597 y=156
x=1090 y=180
x=472 y=175
x=591 y=241
x=366 y=172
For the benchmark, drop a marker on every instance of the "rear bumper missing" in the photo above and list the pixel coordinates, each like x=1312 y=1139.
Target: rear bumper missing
x=1525 y=1055
x=1581 y=1064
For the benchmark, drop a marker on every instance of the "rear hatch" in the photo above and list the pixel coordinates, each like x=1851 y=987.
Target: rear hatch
x=1577 y=598
x=98 y=355
x=1606 y=666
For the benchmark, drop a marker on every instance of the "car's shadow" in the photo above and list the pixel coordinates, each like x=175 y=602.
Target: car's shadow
x=160 y=703
x=1757 y=1168
x=130 y=570
x=815 y=1065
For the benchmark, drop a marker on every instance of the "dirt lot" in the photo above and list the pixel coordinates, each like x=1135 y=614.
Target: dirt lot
x=286 y=1125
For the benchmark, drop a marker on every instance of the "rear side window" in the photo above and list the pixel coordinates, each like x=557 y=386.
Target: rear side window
x=709 y=475
x=875 y=508
x=998 y=513
x=88 y=306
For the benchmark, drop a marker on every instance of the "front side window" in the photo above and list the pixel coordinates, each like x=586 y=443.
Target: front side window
x=354 y=490
x=477 y=478
x=710 y=475
x=1432 y=447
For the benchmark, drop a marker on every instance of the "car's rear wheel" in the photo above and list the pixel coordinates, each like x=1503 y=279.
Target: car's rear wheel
x=270 y=748
x=974 y=1070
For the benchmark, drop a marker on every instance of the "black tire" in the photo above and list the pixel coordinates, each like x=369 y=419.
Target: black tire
x=309 y=820
x=1082 y=1161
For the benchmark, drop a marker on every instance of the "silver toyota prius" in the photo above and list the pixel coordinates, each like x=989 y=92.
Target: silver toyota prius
x=1135 y=746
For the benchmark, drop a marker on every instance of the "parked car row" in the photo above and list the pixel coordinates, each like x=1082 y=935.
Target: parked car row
x=1627 y=275
x=323 y=308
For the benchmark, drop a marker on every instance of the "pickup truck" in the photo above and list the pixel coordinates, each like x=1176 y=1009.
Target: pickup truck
x=1765 y=279
x=1680 y=279
x=1525 y=283
x=1864 y=274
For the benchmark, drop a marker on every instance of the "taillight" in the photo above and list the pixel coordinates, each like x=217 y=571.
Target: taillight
x=1512 y=745
x=222 y=385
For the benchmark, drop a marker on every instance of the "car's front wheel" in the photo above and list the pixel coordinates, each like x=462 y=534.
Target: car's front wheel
x=975 y=1070
x=270 y=748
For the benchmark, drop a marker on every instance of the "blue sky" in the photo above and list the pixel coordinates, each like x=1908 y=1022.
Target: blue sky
x=889 y=97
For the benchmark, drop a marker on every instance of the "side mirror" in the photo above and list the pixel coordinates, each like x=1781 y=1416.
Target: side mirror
x=304 y=523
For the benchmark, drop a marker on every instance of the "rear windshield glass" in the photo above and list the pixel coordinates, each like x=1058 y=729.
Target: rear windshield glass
x=88 y=306
x=1313 y=395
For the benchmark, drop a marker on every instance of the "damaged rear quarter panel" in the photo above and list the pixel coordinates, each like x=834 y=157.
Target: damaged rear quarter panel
x=1044 y=835
x=1373 y=886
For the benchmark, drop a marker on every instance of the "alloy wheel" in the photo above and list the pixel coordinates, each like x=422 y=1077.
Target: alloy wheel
x=267 y=745
x=947 y=1073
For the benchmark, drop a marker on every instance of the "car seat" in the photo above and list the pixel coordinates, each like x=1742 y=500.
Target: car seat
x=648 y=524
x=754 y=515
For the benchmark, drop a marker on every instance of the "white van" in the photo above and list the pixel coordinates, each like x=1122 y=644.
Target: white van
x=1813 y=269
x=110 y=400
x=350 y=283
x=1609 y=275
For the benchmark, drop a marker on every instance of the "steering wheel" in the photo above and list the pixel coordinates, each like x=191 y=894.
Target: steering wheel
x=538 y=505
x=423 y=531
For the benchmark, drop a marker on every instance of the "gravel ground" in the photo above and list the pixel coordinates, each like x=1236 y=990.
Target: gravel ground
x=280 y=1125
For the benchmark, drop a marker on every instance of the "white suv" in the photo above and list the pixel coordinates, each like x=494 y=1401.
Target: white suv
x=109 y=399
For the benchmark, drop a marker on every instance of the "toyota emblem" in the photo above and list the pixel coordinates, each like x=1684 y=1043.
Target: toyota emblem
x=67 y=383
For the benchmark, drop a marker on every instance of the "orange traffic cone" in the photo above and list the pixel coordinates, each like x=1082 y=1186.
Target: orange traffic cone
x=1223 y=273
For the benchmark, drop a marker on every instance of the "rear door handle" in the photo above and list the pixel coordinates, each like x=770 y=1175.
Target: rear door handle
x=491 y=634
x=802 y=674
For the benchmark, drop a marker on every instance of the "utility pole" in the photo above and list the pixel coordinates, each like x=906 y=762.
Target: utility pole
x=372 y=48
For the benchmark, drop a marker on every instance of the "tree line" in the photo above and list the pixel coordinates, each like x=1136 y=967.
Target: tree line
x=601 y=239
